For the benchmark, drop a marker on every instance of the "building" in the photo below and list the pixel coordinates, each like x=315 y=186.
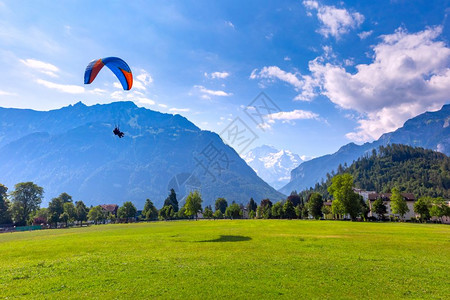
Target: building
x=409 y=198
x=110 y=208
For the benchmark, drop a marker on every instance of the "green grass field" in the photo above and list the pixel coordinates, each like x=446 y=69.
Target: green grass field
x=228 y=259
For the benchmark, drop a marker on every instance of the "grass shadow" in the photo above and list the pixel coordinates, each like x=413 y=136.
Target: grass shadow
x=228 y=238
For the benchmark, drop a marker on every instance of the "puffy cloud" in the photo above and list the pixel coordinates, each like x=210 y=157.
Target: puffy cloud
x=65 y=88
x=409 y=75
x=215 y=75
x=303 y=83
x=365 y=34
x=141 y=81
x=335 y=21
x=41 y=66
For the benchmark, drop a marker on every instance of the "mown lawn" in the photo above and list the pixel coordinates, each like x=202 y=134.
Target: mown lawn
x=228 y=259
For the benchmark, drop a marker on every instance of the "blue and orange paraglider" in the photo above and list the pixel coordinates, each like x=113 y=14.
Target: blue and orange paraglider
x=116 y=65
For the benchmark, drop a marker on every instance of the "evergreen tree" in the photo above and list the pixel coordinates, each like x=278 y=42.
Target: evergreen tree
x=172 y=200
x=252 y=206
x=150 y=212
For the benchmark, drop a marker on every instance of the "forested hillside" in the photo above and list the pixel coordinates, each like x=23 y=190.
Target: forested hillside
x=415 y=170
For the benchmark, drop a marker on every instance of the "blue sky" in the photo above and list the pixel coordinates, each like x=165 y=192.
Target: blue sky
x=338 y=71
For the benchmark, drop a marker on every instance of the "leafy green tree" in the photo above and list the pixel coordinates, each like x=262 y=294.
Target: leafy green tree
x=326 y=211
x=379 y=208
x=5 y=214
x=127 y=211
x=218 y=214
x=289 y=210
x=422 y=207
x=252 y=214
x=337 y=208
x=398 y=203
x=233 y=211
x=298 y=211
x=277 y=210
x=252 y=206
x=26 y=199
x=150 y=212
x=81 y=212
x=315 y=204
x=55 y=210
x=96 y=214
x=69 y=209
x=64 y=217
x=172 y=200
x=305 y=212
x=181 y=213
x=193 y=204
x=208 y=213
x=439 y=208
x=65 y=198
x=342 y=189
x=221 y=204
x=166 y=212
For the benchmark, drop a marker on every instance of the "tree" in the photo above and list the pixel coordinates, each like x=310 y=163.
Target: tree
x=172 y=200
x=233 y=211
x=326 y=211
x=439 y=208
x=252 y=214
x=422 y=207
x=218 y=214
x=69 y=209
x=166 y=212
x=96 y=214
x=379 y=208
x=55 y=210
x=289 y=209
x=221 y=204
x=208 y=213
x=64 y=217
x=342 y=189
x=265 y=209
x=65 y=198
x=193 y=204
x=252 y=206
x=277 y=210
x=81 y=212
x=150 y=212
x=127 y=211
x=398 y=203
x=40 y=216
x=315 y=204
x=337 y=208
x=294 y=198
x=5 y=214
x=181 y=213
x=26 y=199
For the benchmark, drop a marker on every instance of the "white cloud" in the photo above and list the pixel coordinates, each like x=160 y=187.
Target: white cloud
x=410 y=74
x=162 y=105
x=178 y=110
x=303 y=83
x=208 y=92
x=287 y=58
x=365 y=34
x=215 y=75
x=117 y=85
x=41 y=66
x=142 y=80
x=228 y=23
x=296 y=114
x=335 y=21
x=65 y=88
x=4 y=93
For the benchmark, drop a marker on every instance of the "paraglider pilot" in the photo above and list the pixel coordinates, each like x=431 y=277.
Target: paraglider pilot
x=117 y=132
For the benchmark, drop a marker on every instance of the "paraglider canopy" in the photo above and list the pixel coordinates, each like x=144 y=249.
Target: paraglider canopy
x=116 y=65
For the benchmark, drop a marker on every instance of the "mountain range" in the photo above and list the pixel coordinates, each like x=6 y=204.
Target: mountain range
x=73 y=150
x=430 y=130
x=272 y=165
